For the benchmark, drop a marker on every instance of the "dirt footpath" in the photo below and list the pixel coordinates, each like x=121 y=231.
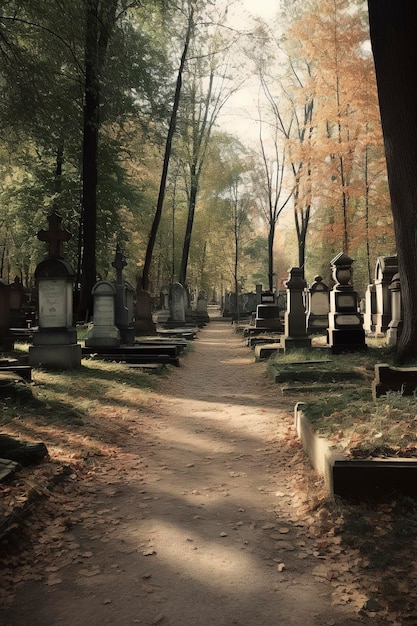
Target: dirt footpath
x=204 y=515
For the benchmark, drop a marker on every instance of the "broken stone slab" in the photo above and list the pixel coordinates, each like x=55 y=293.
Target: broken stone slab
x=23 y=452
x=7 y=468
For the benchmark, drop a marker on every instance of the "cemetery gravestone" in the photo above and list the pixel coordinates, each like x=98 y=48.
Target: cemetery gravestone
x=395 y=325
x=318 y=306
x=123 y=302
x=267 y=313
x=6 y=339
x=17 y=304
x=201 y=313
x=386 y=268
x=104 y=332
x=55 y=343
x=345 y=332
x=144 y=324
x=295 y=334
x=370 y=309
x=177 y=303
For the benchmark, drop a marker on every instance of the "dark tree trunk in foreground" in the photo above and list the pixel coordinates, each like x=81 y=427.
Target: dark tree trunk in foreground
x=100 y=20
x=89 y=166
x=393 y=27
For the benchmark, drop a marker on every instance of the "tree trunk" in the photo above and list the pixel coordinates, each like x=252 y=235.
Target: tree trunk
x=393 y=27
x=99 y=25
x=271 y=237
x=188 y=228
x=168 y=147
x=89 y=165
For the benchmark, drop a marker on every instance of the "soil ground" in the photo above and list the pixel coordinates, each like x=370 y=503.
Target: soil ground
x=206 y=513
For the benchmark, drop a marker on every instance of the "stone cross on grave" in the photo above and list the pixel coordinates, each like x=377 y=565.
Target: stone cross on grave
x=55 y=236
x=119 y=263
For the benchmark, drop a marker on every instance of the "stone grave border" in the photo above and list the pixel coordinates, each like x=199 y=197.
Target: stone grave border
x=354 y=478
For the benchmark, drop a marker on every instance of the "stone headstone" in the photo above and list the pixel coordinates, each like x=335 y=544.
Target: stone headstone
x=370 y=308
x=345 y=332
x=318 y=306
x=201 y=313
x=395 y=325
x=144 y=323
x=18 y=300
x=55 y=343
x=386 y=267
x=178 y=303
x=6 y=340
x=124 y=312
x=295 y=333
x=104 y=332
x=258 y=294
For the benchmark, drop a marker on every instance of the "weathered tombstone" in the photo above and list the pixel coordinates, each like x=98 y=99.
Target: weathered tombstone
x=55 y=343
x=267 y=313
x=345 y=332
x=104 y=332
x=18 y=300
x=163 y=313
x=229 y=307
x=395 y=325
x=251 y=303
x=318 y=306
x=370 y=308
x=295 y=333
x=164 y=297
x=201 y=314
x=6 y=339
x=124 y=302
x=177 y=304
x=386 y=267
x=258 y=294
x=144 y=324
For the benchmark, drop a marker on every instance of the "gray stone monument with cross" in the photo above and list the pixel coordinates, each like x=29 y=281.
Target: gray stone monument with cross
x=55 y=342
x=124 y=303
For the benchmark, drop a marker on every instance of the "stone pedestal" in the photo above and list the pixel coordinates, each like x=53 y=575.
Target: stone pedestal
x=345 y=332
x=395 y=325
x=295 y=334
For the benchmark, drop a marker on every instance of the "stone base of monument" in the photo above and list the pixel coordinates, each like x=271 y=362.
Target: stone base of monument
x=346 y=340
x=56 y=348
x=55 y=356
x=144 y=326
x=398 y=379
x=295 y=343
x=266 y=350
x=355 y=478
x=103 y=336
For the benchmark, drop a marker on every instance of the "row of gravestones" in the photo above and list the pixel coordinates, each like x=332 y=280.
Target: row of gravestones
x=338 y=311
x=119 y=313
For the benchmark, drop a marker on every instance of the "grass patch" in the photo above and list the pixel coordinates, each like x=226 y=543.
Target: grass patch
x=77 y=413
x=348 y=416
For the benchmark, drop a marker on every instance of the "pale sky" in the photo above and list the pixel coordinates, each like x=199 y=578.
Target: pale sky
x=261 y=8
x=240 y=113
